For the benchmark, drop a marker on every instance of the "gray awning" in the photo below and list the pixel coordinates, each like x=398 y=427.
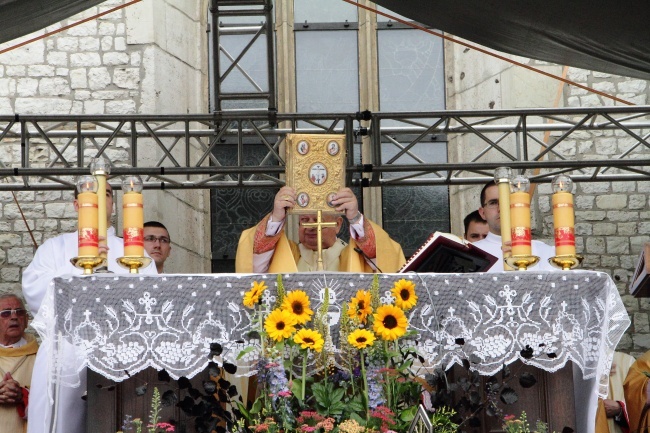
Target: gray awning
x=597 y=35
x=21 y=17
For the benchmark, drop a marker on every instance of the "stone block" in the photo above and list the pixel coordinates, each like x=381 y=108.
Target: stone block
x=120 y=107
x=595 y=245
x=632 y=86
x=15 y=71
x=136 y=59
x=98 y=78
x=78 y=78
x=88 y=44
x=119 y=43
x=593 y=187
x=30 y=210
x=622 y=216
x=606 y=146
x=107 y=43
x=630 y=302
x=82 y=95
x=636 y=201
x=26 y=87
x=591 y=215
x=62 y=72
x=116 y=58
x=604 y=229
x=10 y=240
x=617 y=245
x=627 y=229
x=106 y=28
x=30 y=54
x=583 y=229
x=637 y=243
x=60 y=210
x=41 y=71
x=611 y=201
x=584 y=202
x=110 y=94
x=68 y=226
x=641 y=341
x=127 y=78
x=120 y=29
x=641 y=322
x=88 y=28
x=46 y=224
x=20 y=256
x=10 y=274
x=68 y=44
x=93 y=107
x=623 y=186
x=643 y=227
x=43 y=106
x=85 y=59
x=56 y=86
x=609 y=261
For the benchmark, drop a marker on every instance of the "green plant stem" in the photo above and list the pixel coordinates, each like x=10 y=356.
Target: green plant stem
x=389 y=391
x=304 y=376
x=365 y=384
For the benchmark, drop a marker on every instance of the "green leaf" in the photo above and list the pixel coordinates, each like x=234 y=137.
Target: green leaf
x=257 y=406
x=245 y=351
x=243 y=410
x=407 y=415
x=296 y=388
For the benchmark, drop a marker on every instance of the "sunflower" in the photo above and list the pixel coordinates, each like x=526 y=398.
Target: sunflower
x=297 y=303
x=309 y=339
x=360 y=306
x=361 y=338
x=253 y=296
x=280 y=324
x=404 y=293
x=390 y=322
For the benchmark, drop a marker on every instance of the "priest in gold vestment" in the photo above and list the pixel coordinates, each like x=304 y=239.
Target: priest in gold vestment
x=637 y=394
x=612 y=412
x=266 y=248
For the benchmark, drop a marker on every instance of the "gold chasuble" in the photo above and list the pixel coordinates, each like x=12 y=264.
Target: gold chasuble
x=20 y=363
x=635 y=394
x=287 y=253
x=623 y=362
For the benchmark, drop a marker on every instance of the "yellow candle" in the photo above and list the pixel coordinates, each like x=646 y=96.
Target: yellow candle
x=520 y=223
x=564 y=224
x=88 y=222
x=133 y=223
x=101 y=209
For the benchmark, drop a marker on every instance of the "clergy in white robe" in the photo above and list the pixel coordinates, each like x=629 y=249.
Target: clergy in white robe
x=492 y=245
x=52 y=259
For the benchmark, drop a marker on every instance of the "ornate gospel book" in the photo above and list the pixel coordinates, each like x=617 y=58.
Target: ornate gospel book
x=446 y=253
x=640 y=286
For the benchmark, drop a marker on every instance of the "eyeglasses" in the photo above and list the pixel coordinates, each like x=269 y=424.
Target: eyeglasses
x=492 y=203
x=162 y=239
x=19 y=312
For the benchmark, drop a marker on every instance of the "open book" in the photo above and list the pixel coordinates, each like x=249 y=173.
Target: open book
x=446 y=253
x=640 y=286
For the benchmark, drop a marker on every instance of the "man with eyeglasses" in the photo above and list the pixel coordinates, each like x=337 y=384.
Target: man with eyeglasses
x=17 y=356
x=489 y=210
x=52 y=259
x=157 y=243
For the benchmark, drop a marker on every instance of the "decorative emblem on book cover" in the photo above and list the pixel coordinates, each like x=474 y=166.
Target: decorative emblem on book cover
x=315 y=169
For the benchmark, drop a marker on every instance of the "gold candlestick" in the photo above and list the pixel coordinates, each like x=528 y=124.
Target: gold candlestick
x=502 y=176
x=133 y=263
x=100 y=168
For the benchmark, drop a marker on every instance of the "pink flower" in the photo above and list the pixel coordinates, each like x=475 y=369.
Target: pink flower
x=284 y=394
x=509 y=417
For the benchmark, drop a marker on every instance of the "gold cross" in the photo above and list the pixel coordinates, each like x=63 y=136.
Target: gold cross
x=319 y=224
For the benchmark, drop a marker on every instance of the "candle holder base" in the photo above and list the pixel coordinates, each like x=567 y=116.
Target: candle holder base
x=566 y=262
x=87 y=263
x=133 y=263
x=522 y=262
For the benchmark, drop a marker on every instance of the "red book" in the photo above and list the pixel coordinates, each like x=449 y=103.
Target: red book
x=446 y=253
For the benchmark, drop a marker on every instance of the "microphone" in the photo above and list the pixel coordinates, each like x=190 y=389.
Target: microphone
x=365 y=256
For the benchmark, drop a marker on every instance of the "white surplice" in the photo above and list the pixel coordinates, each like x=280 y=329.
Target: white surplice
x=492 y=245
x=52 y=259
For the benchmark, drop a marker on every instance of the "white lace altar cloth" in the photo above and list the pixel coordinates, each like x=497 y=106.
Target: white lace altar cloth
x=119 y=325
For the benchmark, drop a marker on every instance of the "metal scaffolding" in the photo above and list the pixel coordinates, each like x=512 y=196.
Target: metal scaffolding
x=213 y=150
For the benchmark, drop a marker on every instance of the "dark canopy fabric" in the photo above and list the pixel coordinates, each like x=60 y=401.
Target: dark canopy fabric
x=600 y=35
x=608 y=36
x=21 y=17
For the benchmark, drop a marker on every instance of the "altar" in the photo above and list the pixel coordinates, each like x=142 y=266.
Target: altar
x=119 y=325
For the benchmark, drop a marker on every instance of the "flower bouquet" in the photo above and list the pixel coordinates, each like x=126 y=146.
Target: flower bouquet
x=306 y=383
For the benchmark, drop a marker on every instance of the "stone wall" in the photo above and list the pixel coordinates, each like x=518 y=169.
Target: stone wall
x=611 y=217
x=128 y=62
